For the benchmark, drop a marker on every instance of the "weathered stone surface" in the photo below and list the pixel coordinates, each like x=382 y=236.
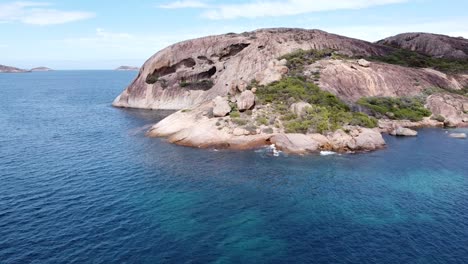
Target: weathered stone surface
x=403 y=131
x=351 y=83
x=300 y=108
x=357 y=139
x=430 y=44
x=295 y=143
x=363 y=63
x=221 y=107
x=450 y=106
x=458 y=135
x=368 y=139
x=222 y=59
x=245 y=100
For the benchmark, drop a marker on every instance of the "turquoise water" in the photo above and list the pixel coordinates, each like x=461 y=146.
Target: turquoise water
x=81 y=184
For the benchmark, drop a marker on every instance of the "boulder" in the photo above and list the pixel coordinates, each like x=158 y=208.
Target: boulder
x=245 y=100
x=221 y=107
x=300 y=108
x=403 y=131
x=451 y=122
x=368 y=139
x=363 y=63
x=457 y=135
x=341 y=141
x=295 y=143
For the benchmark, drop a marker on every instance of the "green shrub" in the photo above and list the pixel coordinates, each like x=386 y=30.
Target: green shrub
x=151 y=79
x=235 y=114
x=411 y=108
x=361 y=119
x=239 y=121
x=438 y=118
x=261 y=120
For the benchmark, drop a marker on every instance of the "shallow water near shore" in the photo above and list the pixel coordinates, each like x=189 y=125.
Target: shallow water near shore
x=80 y=183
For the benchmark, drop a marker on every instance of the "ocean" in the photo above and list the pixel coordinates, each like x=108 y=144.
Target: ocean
x=80 y=183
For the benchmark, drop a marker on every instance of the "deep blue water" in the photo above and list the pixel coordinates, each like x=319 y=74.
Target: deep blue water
x=79 y=183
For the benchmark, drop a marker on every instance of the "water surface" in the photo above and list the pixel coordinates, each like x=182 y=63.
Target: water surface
x=81 y=184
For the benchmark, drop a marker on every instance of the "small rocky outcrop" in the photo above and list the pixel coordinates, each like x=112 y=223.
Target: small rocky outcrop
x=363 y=63
x=245 y=100
x=221 y=107
x=457 y=135
x=430 y=44
x=403 y=132
x=450 y=106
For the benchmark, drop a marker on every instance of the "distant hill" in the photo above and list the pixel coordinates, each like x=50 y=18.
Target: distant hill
x=434 y=45
x=41 y=69
x=9 y=69
x=127 y=68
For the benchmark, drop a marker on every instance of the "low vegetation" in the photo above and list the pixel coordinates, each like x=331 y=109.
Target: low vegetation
x=410 y=58
x=327 y=113
x=296 y=61
x=410 y=108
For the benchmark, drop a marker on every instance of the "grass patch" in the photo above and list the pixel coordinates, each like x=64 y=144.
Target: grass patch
x=262 y=120
x=239 y=121
x=296 y=61
x=411 y=108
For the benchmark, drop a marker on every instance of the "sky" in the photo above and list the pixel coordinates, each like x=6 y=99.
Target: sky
x=104 y=34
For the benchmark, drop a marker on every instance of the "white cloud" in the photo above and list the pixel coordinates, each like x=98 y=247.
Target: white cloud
x=287 y=8
x=35 y=13
x=454 y=28
x=184 y=4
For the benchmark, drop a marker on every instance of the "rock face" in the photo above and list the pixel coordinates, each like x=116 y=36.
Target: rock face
x=350 y=81
x=450 y=106
x=403 y=132
x=221 y=107
x=9 y=69
x=430 y=44
x=217 y=61
x=295 y=143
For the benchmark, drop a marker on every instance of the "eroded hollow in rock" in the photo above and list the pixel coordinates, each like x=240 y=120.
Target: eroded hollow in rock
x=232 y=50
x=160 y=72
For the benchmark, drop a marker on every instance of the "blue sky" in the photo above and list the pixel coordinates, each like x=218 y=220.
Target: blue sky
x=90 y=34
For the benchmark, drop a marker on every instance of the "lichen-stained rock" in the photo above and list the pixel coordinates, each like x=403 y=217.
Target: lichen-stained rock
x=245 y=100
x=221 y=107
x=165 y=80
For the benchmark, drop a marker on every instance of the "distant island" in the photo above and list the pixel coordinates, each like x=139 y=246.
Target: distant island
x=10 y=69
x=127 y=68
x=41 y=69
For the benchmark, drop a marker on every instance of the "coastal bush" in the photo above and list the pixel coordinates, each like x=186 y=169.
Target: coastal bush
x=411 y=108
x=327 y=113
x=414 y=59
x=297 y=60
x=439 y=118
x=151 y=79
x=235 y=114
x=262 y=120
x=239 y=121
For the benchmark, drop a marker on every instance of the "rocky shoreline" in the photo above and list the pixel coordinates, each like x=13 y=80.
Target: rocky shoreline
x=303 y=91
